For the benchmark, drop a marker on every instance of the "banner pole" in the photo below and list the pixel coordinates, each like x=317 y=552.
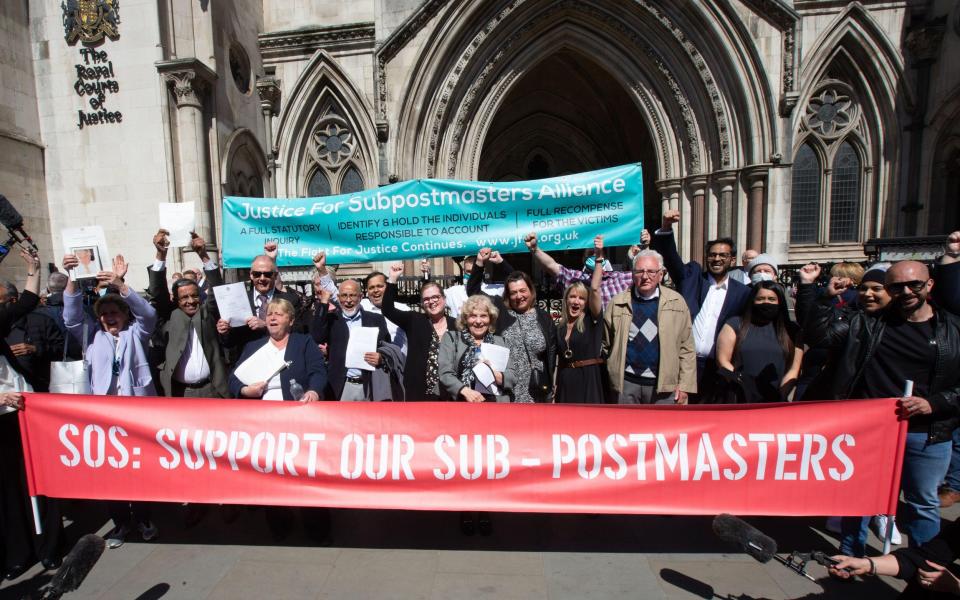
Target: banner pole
x=36 y=515
x=891 y=518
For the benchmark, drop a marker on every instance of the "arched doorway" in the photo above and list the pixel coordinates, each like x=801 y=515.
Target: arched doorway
x=567 y=114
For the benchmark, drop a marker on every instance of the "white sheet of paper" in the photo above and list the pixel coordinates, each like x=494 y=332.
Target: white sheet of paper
x=497 y=355
x=261 y=366
x=179 y=219
x=232 y=303
x=362 y=340
x=485 y=376
x=90 y=238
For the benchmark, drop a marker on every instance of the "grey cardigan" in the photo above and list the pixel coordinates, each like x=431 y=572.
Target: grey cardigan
x=452 y=348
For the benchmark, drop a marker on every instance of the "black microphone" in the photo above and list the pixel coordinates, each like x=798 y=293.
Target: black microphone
x=735 y=530
x=13 y=221
x=76 y=565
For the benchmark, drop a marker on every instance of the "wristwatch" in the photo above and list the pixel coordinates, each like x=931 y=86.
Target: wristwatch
x=599 y=260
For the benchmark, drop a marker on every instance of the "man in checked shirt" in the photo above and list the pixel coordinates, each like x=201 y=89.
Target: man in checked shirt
x=613 y=282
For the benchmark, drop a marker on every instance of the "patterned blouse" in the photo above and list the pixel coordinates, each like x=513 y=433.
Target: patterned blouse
x=525 y=339
x=433 y=374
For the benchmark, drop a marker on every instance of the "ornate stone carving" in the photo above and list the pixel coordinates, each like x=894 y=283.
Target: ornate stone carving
x=331 y=142
x=308 y=40
x=924 y=42
x=831 y=110
x=188 y=79
x=268 y=88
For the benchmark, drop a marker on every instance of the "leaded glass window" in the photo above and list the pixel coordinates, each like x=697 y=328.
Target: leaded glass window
x=845 y=195
x=352 y=181
x=805 y=208
x=319 y=184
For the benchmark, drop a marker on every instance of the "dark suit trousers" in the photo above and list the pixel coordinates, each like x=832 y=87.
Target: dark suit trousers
x=706 y=382
x=21 y=545
x=181 y=391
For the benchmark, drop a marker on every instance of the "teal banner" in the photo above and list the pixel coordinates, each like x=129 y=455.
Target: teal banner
x=429 y=218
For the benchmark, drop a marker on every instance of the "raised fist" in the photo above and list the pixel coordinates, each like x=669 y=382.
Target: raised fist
x=809 y=273
x=671 y=217
x=531 y=241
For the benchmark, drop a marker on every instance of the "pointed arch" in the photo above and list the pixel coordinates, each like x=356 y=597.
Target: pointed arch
x=243 y=172
x=324 y=96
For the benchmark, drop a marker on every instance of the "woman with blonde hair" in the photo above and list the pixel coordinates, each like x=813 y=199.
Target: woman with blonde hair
x=579 y=339
x=460 y=353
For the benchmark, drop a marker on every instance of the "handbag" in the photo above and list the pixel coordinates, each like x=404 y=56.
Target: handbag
x=71 y=376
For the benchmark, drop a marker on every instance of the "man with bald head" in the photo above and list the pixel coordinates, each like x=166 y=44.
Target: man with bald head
x=333 y=329
x=263 y=289
x=878 y=353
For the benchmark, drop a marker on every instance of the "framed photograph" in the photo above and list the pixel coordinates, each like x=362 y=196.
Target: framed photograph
x=90 y=262
x=90 y=246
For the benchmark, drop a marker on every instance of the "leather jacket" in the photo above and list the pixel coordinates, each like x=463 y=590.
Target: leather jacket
x=855 y=335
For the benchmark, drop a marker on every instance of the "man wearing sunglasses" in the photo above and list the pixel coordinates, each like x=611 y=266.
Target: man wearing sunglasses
x=263 y=289
x=876 y=353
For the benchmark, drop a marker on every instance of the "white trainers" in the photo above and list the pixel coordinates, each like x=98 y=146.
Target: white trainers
x=880 y=528
x=148 y=530
x=116 y=536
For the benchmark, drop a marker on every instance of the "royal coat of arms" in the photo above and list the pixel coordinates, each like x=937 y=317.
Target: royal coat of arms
x=90 y=20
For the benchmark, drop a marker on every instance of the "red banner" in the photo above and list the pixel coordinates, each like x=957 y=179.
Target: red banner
x=810 y=458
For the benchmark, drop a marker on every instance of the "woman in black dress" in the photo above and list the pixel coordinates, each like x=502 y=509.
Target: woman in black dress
x=579 y=337
x=761 y=350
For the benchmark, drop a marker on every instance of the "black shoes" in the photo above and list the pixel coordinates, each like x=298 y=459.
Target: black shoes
x=483 y=523
x=51 y=564
x=15 y=571
x=466 y=523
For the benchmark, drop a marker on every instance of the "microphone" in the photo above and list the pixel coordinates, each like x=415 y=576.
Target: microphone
x=735 y=530
x=77 y=564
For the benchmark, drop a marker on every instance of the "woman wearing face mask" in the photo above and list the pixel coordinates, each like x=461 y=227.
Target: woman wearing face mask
x=580 y=336
x=115 y=350
x=528 y=330
x=762 y=348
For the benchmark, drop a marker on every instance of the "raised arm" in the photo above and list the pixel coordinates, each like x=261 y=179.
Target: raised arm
x=946 y=291
x=211 y=271
x=664 y=242
x=594 y=301
x=30 y=298
x=546 y=261
x=403 y=319
x=140 y=309
x=474 y=284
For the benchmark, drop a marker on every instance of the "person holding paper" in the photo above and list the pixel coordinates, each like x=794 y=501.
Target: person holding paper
x=580 y=338
x=529 y=331
x=335 y=329
x=875 y=354
x=305 y=367
x=116 y=353
x=460 y=352
x=157 y=273
x=421 y=375
x=263 y=289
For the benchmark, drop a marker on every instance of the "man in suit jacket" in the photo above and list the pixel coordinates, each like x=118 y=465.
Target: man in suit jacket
x=711 y=295
x=263 y=289
x=333 y=329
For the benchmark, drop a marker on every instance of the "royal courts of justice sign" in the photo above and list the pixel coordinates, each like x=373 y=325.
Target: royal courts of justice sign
x=431 y=218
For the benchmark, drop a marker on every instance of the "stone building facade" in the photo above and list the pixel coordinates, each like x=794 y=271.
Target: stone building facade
x=803 y=127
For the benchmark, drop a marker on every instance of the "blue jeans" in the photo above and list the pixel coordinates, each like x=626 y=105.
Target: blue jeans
x=952 y=480
x=924 y=466
x=853 y=535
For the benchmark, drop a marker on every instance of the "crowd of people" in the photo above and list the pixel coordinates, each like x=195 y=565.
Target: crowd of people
x=661 y=332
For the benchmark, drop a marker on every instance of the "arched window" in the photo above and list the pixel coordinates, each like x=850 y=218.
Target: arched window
x=805 y=206
x=319 y=184
x=352 y=181
x=845 y=195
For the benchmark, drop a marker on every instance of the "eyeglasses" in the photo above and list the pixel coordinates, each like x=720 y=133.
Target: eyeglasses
x=898 y=286
x=718 y=255
x=647 y=272
x=259 y=274
x=431 y=299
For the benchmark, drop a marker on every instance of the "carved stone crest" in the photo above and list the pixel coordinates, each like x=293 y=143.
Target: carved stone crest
x=90 y=20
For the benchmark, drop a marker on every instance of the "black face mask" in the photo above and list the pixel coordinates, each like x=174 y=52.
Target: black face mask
x=761 y=314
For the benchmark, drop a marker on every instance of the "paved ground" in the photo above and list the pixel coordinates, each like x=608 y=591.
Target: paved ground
x=409 y=555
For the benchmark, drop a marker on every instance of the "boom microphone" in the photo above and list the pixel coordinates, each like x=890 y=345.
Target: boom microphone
x=77 y=564
x=732 y=529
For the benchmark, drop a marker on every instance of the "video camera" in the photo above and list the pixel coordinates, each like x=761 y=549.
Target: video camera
x=13 y=221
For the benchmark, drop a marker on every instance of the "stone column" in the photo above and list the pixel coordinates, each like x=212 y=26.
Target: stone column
x=190 y=80
x=756 y=206
x=727 y=184
x=698 y=221
x=670 y=200
x=268 y=88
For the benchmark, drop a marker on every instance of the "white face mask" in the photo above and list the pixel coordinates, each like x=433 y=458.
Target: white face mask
x=758 y=277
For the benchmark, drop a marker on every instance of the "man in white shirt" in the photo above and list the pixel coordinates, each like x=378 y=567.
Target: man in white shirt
x=375 y=285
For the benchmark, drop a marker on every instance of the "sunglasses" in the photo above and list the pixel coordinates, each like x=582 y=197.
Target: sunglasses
x=898 y=287
x=259 y=274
